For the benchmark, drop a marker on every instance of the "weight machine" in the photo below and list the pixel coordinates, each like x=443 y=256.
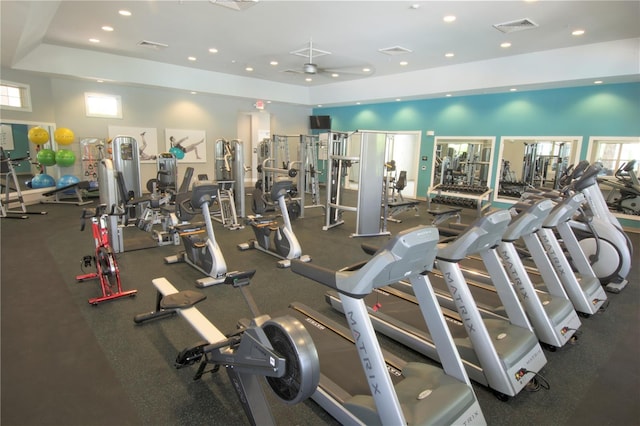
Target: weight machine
x=310 y=147
x=230 y=170
x=275 y=164
x=371 y=173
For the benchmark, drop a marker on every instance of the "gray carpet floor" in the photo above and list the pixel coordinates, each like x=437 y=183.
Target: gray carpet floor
x=66 y=362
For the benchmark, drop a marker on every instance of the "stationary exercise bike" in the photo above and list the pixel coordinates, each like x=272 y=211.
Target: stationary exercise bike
x=104 y=259
x=285 y=244
x=200 y=247
x=279 y=349
x=601 y=237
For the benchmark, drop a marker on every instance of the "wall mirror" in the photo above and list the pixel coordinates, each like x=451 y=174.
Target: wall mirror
x=620 y=160
x=462 y=161
x=533 y=162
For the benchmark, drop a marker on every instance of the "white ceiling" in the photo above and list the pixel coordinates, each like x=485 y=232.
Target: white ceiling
x=53 y=37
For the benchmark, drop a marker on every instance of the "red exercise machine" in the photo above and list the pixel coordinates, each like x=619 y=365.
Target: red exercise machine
x=104 y=259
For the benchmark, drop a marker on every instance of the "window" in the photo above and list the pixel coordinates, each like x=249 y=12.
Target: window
x=614 y=152
x=101 y=105
x=15 y=96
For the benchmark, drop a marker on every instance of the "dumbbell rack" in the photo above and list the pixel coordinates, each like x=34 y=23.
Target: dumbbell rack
x=464 y=196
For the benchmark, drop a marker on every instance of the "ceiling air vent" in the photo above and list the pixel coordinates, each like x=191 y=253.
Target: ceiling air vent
x=152 y=44
x=517 y=25
x=238 y=5
x=394 y=51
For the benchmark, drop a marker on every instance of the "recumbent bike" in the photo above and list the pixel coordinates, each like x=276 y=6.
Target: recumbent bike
x=285 y=244
x=201 y=249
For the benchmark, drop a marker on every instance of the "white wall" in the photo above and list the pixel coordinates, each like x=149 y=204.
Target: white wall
x=61 y=101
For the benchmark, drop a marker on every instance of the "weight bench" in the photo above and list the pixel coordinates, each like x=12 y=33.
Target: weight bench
x=443 y=214
x=77 y=191
x=397 y=206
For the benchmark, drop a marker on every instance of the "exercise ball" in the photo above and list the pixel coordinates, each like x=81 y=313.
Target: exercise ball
x=177 y=152
x=38 y=135
x=65 y=158
x=42 y=180
x=67 y=180
x=46 y=157
x=63 y=136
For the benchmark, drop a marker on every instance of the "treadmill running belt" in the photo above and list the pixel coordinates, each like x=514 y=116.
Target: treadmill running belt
x=339 y=359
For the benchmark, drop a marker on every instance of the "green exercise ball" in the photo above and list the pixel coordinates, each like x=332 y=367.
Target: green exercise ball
x=65 y=158
x=46 y=157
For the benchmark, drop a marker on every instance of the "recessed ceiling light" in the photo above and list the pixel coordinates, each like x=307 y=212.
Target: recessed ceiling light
x=398 y=99
x=357 y=103
x=99 y=81
x=124 y=12
x=308 y=79
x=449 y=18
x=415 y=6
x=577 y=32
x=268 y=102
x=513 y=89
x=273 y=63
x=107 y=28
x=319 y=105
x=249 y=69
x=192 y=58
x=505 y=44
x=335 y=75
x=213 y=50
x=94 y=40
x=404 y=63
x=597 y=82
x=449 y=55
x=448 y=95
x=366 y=69
x=194 y=93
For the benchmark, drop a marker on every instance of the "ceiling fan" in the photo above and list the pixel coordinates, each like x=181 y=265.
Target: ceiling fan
x=311 y=68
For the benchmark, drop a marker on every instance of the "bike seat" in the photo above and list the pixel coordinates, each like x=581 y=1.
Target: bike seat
x=182 y=299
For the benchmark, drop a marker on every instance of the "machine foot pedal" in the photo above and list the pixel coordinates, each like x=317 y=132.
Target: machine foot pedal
x=616 y=287
x=209 y=281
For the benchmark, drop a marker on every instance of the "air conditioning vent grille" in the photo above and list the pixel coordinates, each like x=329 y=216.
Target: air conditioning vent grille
x=395 y=50
x=517 y=25
x=152 y=44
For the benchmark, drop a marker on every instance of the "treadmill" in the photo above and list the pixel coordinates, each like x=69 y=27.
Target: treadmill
x=502 y=354
x=552 y=315
x=361 y=384
x=549 y=267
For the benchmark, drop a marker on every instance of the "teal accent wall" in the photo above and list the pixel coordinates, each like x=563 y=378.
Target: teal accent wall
x=603 y=110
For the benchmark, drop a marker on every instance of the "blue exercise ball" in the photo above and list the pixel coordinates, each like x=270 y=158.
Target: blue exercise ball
x=67 y=180
x=177 y=152
x=42 y=180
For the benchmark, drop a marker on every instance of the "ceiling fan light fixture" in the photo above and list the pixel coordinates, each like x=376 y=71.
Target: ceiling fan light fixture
x=309 y=68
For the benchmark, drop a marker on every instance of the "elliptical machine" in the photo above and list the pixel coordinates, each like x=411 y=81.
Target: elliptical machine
x=200 y=247
x=285 y=244
x=601 y=237
x=626 y=183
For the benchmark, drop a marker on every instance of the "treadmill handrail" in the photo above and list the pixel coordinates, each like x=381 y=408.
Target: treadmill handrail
x=408 y=254
x=320 y=274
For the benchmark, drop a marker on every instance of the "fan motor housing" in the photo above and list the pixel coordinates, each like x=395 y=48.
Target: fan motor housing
x=310 y=68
